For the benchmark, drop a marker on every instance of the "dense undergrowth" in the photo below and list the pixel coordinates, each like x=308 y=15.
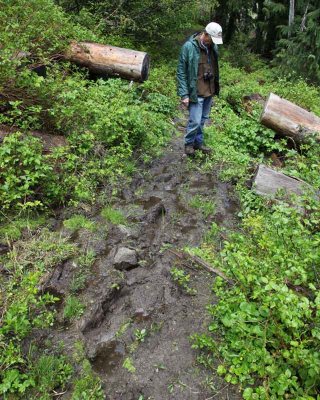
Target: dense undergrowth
x=269 y=319
x=105 y=122
x=264 y=333
x=109 y=126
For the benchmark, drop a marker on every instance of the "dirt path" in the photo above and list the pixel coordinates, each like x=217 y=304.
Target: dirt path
x=138 y=321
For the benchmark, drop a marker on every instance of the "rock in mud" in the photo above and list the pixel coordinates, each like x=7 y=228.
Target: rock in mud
x=141 y=315
x=125 y=258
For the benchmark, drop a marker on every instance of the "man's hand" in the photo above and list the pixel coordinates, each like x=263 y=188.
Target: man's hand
x=185 y=102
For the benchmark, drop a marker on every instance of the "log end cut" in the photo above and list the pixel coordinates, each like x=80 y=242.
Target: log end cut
x=145 y=68
x=290 y=120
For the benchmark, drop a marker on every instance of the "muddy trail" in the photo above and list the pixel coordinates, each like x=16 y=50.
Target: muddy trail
x=138 y=321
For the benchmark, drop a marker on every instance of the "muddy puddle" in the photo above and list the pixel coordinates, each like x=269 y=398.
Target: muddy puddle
x=109 y=358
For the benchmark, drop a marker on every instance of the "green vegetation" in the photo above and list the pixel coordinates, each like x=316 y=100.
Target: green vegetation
x=128 y=365
x=100 y=140
x=207 y=207
x=50 y=372
x=123 y=328
x=182 y=279
x=25 y=307
x=73 y=308
x=114 y=216
x=140 y=334
x=288 y=31
x=265 y=327
x=77 y=222
x=87 y=385
x=269 y=320
x=84 y=262
x=14 y=229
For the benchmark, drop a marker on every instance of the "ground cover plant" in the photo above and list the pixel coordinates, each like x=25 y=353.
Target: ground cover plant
x=264 y=332
x=25 y=307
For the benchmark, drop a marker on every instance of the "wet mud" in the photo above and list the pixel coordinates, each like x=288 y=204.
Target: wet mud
x=138 y=321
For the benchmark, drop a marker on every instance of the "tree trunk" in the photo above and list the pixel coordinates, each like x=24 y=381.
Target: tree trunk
x=259 y=32
x=231 y=27
x=109 y=60
x=267 y=182
x=290 y=120
x=291 y=15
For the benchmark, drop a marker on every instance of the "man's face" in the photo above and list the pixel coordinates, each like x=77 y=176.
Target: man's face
x=207 y=39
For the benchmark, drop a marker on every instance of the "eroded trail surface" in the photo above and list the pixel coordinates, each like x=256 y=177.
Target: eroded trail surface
x=138 y=320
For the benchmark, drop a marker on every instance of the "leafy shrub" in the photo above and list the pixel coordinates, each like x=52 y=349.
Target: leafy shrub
x=22 y=169
x=305 y=164
x=105 y=123
x=159 y=103
x=299 y=92
x=148 y=21
x=297 y=52
x=269 y=321
x=35 y=40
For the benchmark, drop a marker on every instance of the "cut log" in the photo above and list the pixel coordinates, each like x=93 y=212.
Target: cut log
x=267 y=182
x=290 y=120
x=49 y=141
x=110 y=60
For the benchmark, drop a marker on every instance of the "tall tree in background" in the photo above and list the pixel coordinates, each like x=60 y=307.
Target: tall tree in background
x=234 y=15
x=287 y=31
x=299 y=54
x=291 y=13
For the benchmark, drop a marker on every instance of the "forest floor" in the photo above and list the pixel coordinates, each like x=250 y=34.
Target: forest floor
x=138 y=320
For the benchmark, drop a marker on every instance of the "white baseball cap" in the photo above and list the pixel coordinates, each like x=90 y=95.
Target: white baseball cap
x=215 y=31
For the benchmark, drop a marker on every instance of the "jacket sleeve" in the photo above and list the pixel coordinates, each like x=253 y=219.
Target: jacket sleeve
x=182 y=72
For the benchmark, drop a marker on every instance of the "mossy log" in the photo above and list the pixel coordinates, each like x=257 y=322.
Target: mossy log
x=290 y=120
x=108 y=60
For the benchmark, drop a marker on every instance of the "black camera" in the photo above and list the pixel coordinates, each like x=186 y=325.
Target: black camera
x=207 y=76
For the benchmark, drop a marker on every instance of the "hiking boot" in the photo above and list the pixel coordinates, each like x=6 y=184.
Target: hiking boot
x=189 y=150
x=203 y=149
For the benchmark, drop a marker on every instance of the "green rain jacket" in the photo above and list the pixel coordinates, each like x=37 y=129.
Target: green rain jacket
x=187 y=73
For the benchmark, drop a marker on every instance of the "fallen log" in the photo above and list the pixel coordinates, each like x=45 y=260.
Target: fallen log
x=290 y=120
x=48 y=141
x=108 y=60
x=267 y=182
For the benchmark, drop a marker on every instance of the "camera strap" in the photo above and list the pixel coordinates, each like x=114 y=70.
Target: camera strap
x=204 y=47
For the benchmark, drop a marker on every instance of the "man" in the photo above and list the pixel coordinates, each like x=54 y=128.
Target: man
x=198 y=82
